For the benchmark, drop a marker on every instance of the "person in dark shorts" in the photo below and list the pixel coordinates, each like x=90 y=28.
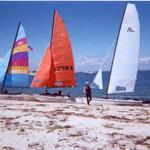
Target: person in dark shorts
x=58 y=93
x=5 y=92
x=88 y=92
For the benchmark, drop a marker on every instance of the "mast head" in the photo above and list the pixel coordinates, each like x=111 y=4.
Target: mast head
x=55 y=11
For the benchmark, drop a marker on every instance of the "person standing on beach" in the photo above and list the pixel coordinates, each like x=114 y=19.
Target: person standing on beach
x=88 y=92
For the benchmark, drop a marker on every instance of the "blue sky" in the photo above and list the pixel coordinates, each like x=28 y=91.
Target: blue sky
x=92 y=27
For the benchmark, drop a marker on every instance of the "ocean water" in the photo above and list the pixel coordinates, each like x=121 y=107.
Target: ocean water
x=142 y=87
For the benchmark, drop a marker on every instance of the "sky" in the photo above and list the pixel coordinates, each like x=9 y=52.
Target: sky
x=92 y=27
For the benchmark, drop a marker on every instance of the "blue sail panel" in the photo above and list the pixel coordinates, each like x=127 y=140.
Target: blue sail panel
x=3 y=66
x=17 y=80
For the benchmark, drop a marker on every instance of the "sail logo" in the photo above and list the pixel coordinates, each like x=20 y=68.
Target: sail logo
x=58 y=83
x=38 y=81
x=120 y=88
x=62 y=34
x=130 y=29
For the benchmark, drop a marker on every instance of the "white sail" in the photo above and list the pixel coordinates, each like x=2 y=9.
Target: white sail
x=124 y=68
x=98 y=79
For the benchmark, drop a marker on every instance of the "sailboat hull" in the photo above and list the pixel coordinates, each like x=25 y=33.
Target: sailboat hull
x=28 y=97
x=10 y=96
x=101 y=101
x=43 y=98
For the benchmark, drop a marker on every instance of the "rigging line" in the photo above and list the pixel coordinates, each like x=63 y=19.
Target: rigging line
x=115 y=48
x=108 y=53
x=106 y=56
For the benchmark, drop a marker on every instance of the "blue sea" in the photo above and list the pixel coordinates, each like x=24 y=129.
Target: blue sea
x=142 y=87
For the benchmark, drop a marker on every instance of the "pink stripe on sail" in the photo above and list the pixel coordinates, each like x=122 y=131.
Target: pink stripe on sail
x=21 y=42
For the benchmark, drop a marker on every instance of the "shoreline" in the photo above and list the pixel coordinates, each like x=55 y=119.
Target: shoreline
x=79 y=99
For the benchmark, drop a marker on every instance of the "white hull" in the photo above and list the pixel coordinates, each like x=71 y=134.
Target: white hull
x=28 y=97
x=99 y=101
x=127 y=102
x=44 y=98
x=10 y=96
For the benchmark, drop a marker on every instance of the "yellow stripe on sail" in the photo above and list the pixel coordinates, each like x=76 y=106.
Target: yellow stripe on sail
x=18 y=70
x=21 y=48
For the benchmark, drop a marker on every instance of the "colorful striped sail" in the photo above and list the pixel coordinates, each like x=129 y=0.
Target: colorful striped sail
x=17 y=71
x=57 y=66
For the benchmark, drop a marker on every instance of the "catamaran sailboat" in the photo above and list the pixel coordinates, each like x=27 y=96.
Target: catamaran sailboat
x=15 y=65
x=56 y=69
x=124 y=66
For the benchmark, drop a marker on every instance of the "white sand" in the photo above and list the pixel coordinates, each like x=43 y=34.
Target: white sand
x=47 y=126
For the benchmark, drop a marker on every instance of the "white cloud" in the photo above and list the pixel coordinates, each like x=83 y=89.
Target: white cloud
x=145 y=60
x=86 y=63
x=92 y=64
x=144 y=63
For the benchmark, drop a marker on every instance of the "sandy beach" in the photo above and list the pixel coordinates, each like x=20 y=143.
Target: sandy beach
x=46 y=126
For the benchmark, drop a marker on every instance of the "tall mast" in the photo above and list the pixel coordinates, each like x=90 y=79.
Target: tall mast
x=52 y=31
x=10 y=57
x=115 y=50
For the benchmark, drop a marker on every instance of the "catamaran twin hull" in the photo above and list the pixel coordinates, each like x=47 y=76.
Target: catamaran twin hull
x=43 y=98
x=10 y=97
x=100 y=101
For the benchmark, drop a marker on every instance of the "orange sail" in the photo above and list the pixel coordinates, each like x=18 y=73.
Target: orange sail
x=41 y=78
x=57 y=66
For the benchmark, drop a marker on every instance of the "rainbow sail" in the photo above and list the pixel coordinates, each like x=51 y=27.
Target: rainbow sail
x=16 y=62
